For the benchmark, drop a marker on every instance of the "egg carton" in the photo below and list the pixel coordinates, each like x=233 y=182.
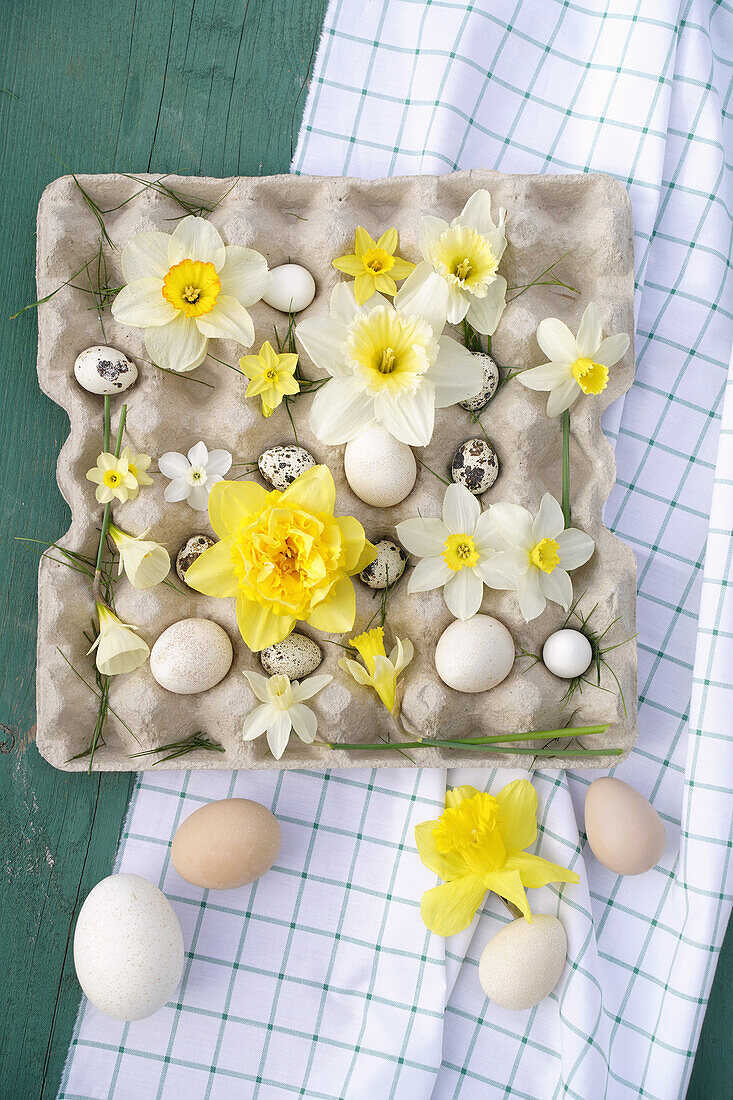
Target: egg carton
x=311 y=220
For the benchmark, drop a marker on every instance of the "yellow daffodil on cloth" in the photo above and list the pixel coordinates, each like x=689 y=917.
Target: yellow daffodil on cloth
x=478 y=844
x=114 y=479
x=283 y=709
x=379 y=671
x=466 y=254
x=374 y=265
x=271 y=376
x=186 y=287
x=145 y=563
x=578 y=364
x=138 y=466
x=118 y=647
x=283 y=556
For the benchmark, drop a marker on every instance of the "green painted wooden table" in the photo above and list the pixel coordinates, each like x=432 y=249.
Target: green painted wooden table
x=211 y=87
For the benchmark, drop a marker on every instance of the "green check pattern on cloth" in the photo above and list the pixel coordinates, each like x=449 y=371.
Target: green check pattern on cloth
x=320 y=980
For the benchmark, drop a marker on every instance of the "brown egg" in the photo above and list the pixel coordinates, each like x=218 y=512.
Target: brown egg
x=226 y=844
x=624 y=831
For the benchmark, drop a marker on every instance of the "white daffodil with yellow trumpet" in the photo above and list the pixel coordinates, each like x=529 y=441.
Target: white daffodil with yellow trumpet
x=145 y=563
x=118 y=648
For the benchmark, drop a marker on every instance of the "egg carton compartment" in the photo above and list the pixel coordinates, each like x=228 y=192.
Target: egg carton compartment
x=311 y=220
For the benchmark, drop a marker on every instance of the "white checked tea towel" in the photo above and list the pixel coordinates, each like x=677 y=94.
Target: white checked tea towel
x=320 y=981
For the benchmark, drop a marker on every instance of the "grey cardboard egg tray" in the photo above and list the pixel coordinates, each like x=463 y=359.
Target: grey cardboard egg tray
x=311 y=221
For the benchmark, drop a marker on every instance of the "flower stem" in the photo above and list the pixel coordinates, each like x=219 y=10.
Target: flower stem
x=108 y=506
x=566 y=466
x=107 y=416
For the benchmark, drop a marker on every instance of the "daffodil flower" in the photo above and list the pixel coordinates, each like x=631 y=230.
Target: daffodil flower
x=478 y=844
x=118 y=647
x=145 y=563
x=186 y=287
x=389 y=364
x=374 y=265
x=283 y=709
x=114 y=479
x=138 y=465
x=271 y=376
x=535 y=554
x=378 y=671
x=578 y=364
x=466 y=255
x=455 y=551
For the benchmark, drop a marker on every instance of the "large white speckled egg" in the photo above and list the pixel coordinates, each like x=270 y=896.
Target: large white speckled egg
x=226 y=844
x=290 y=288
x=523 y=962
x=379 y=468
x=624 y=831
x=567 y=653
x=104 y=370
x=190 y=656
x=128 y=947
x=474 y=655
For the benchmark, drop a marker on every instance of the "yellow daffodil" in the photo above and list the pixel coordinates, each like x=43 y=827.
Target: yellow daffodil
x=113 y=478
x=374 y=265
x=271 y=376
x=118 y=647
x=283 y=556
x=138 y=466
x=379 y=671
x=145 y=563
x=478 y=844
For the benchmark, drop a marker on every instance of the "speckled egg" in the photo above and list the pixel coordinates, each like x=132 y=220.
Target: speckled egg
x=128 y=947
x=190 y=656
x=490 y=383
x=475 y=654
x=523 y=962
x=290 y=288
x=624 y=831
x=280 y=466
x=380 y=469
x=295 y=657
x=192 y=548
x=226 y=844
x=104 y=370
x=387 y=567
x=475 y=465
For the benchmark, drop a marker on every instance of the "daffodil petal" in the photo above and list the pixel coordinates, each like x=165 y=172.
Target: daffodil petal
x=355 y=670
x=461 y=510
x=557 y=341
x=477 y=213
x=363 y=241
x=257 y=722
x=350 y=265
x=458 y=303
x=430 y=229
x=558 y=587
x=529 y=591
x=429 y=573
x=142 y=305
x=612 y=349
x=507 y=883
x=244 y=274
x=401 y=268
x=309 y=687
x=340 y=412
x=517 y=816
x=423 y=537
x=549 y=521
x=485 y=313
x=313 y=491
x=304 y=722
x=425 y=294
x=456 y=373
x=352 y=543
x=575 y=548
x=227 y=320
x=343 y=304
x=463 y=594
x=590 y=333
x=545 y=377
x=455 y=795
x=231 y=501
x=389 y=240
x=213 y=571
x=535 y=871
x=502 y=569
x=364 y=287
x=411 y=419
x=145 y=256
x=259 y=626
x=178 y=346
x=337 y=612
x=323 y=338
x=563 y=397
x=367 y=556
x=512 y=523
x=447 y=865
x=451 y=907
x=196 y=239
x=278 y=733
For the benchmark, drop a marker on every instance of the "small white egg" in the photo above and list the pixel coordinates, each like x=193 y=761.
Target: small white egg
x=625 y=832
x=474 y=655
x=104 y=370
x=128 y=947
x=190 y=656
x=379 y=468
x=523 y=962
x=567 y=653
x=290 y=288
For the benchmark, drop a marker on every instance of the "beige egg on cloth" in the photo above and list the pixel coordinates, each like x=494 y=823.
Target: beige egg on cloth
x=226 y=844
x=624 y=831
x=523 y=962
x=128 y=947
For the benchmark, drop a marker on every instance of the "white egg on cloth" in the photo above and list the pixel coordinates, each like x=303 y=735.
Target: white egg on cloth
x=290 y=288
x=190 y=656
x=128 y=947
x=624 y=831
x=567 y=654
x=474 y=655
x=103 y=370
x=380 y=469
x=226 y=844
x=523 y=962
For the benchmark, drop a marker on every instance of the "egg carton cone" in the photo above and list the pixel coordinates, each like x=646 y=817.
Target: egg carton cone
x=310 y=220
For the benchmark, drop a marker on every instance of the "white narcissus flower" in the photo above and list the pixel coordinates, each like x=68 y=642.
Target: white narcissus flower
x=389 y=364
x=535 y=554
x=578 y=364
x=118 y=647
x=456 y=552
x=187 y=286
x=283 y=709
x=466 y=254
x=145 y=563
x=193 y=476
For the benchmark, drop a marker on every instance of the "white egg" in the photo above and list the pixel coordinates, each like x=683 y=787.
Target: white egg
x=290 y=288
x=567 y=653
x=104 y=370
x=190 y=656
x=474 y=655
x=379 y=468
x=523 y=962
x=128 y=947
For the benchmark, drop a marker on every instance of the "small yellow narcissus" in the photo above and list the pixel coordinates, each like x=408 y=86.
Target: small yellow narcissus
x=379 y=671
x=374 y=265
x=113 y=478
x=271 y=376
